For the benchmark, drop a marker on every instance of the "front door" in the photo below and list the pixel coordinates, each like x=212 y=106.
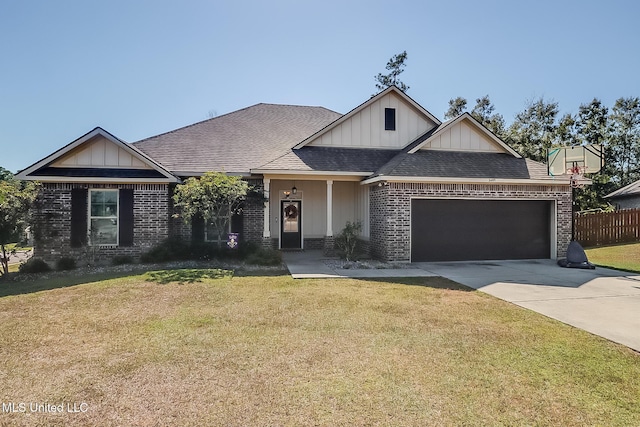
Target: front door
x=291 y=228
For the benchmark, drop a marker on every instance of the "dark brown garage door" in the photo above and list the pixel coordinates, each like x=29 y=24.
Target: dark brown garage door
x=458 y=230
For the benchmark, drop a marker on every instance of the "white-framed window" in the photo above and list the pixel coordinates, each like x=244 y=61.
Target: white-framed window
x=103 y=217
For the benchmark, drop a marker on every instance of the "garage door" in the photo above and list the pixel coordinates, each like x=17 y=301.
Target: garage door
x=458 y=230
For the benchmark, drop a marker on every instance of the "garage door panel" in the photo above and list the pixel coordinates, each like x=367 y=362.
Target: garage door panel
x=450 y=230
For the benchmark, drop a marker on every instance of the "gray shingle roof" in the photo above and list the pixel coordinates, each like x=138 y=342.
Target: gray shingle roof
x=331 y=159
x=238 y=141
x=455 y=164
x=630 y=190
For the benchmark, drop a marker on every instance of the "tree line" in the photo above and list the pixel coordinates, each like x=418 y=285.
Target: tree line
x=540 y=126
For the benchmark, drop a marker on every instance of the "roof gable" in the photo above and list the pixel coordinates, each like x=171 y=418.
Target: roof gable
x=97 y=155
x=364 y=126
x=464 y=134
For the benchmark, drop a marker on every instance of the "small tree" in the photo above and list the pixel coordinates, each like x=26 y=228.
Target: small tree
x=347 y=240
x=16 y=199
x=215 y=197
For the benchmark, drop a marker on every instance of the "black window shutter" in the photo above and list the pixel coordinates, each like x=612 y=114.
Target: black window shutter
x=197 y=228
x=79 y=217
x=126 y=217
x=237 y=223
x=389 y=119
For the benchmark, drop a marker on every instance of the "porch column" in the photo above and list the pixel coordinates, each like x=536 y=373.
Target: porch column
x=266 y=230
x=329 y=208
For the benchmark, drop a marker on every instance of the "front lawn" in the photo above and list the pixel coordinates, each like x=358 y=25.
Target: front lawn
x=206 y=347
x=623 y=257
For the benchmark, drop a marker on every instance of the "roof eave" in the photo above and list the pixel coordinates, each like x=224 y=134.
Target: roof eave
x=462 y=180
x=307 y=172
x=94 y=180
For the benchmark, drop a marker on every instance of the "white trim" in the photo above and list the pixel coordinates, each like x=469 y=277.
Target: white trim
x=329 y=230
x=444 y=180
x=117 y=216
x=364 y=105
x=302 y=172
x=478 y=125
x=96 y=180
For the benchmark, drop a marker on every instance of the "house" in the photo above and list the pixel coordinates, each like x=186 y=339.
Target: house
x=627 y=197
x=423 y=190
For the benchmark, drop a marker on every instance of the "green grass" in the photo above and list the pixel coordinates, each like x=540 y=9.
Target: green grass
x=622 y=257
x=207 y=347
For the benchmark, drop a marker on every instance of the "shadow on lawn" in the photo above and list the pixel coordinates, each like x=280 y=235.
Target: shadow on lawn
x=37 y=283
x=435 y=282
x=19 y=284
x=187 y=275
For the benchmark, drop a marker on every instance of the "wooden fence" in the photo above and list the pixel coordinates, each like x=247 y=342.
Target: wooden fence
x=607 y=228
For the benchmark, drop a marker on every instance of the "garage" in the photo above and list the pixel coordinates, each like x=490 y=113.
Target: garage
x=461 y=230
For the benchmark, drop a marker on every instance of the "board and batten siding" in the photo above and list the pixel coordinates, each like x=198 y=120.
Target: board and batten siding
x=350 y=203
x=365 y=129
x=462 y=137
x=100 y=152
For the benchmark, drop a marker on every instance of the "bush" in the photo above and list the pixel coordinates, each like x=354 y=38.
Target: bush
x=34 y=265
x=65 y=263
x=168 y=250
x=178 y=250
x=122 y=260
x=264 y=257
x=347 y=244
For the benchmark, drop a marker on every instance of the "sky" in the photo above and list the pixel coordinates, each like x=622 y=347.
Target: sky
x=139 y=68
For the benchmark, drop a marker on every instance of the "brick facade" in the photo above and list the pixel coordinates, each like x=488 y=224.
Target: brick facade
x=390 y=213
x=252 y=213
x=52 y=222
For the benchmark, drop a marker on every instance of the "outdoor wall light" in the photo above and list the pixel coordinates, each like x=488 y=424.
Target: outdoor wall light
x=287 y=194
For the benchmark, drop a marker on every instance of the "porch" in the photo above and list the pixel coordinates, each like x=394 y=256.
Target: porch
x=306 y=214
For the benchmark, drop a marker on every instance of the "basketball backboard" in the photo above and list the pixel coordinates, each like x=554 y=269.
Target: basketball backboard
x=563 y=160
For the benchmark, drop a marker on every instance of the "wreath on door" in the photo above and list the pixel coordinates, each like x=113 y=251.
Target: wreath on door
x=291 y=212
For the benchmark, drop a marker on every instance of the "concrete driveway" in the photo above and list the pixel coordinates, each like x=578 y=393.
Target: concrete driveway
x=602 y=301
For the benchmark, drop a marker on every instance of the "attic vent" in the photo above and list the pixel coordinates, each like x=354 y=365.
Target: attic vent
x=389 y=119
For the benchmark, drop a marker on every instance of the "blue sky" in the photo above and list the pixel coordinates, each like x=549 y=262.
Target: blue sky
x=140 y=68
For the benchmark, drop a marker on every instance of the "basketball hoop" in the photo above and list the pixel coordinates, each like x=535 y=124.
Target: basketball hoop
x=577 y=175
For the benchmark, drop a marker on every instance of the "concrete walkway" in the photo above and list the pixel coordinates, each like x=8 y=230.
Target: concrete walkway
x=604 y=302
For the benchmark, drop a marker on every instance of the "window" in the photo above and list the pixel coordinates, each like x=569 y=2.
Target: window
x=389 y=119
x=234 y=225
x=211 y=232
x=103 y=217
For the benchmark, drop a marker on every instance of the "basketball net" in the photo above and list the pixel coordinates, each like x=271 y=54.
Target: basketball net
x=577 y=176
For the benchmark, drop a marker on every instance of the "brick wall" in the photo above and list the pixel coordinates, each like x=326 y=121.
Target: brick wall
x=52 y=222
x=252 y=212
x=390 y=213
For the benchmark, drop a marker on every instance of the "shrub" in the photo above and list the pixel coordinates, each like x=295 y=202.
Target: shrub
x=347 y=244
x=264 y=257
x=65 y=263
x=34 y=265
x=122 y=260
x=168 y=250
